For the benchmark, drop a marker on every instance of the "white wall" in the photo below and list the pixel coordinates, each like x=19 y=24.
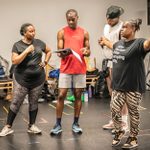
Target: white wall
x=48 y=16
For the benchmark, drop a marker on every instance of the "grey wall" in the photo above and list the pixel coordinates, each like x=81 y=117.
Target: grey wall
x=48 y=16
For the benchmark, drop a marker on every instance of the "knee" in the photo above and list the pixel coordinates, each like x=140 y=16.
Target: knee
x=33 y=107
x=78 y=95
x=15 y=107
x=61 y=97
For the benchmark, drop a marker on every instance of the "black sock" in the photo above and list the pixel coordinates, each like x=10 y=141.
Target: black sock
x=11 y=117
x=32 y=116
x=76 y=119
x=58 y=121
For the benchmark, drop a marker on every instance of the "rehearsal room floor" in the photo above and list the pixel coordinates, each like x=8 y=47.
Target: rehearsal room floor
x=94 y=114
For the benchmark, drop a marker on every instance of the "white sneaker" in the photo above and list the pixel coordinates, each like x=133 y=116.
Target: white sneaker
x=34 y=129
x=109 y=126
x=6 y=130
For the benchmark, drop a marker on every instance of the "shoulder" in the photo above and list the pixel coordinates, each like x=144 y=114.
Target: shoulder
x=106 y=26
x=80 y=29
x=62 y=30
x=120 y=23
x=85 y=32
x=140 y=40
x=18 y=43
x=120 y=42
x=60 y=33
x=38 y=41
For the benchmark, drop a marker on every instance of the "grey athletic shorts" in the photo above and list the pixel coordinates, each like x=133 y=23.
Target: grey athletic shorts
x=72 y=81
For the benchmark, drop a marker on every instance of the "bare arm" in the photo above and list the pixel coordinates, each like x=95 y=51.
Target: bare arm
x=147 y=45
x=18 y=58
x=86 y=49
x=47 y=55
x=60 y=41
x=105 y=42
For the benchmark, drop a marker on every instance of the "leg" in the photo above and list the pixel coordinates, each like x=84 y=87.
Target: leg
x=133 y=101
x=110 y=125
x=125 y=117
x=117 y=102
x=109 y=80
x=33 y=103
x=77 y=104
x=124 y=114
x=19 y=94
x=60 y=102
x=79 y=82
x=64 y=84
x=33 y=108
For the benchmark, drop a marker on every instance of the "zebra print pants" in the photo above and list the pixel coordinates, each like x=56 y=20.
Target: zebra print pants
x=132 y=100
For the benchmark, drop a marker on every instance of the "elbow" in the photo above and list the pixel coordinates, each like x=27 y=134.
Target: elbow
x=88 y=54
x=14 y=62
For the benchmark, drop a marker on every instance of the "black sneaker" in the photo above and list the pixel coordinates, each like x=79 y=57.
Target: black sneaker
x=130 y=143
x=118 y=137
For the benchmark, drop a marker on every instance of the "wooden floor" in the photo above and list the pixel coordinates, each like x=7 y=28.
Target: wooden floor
x=95 y=113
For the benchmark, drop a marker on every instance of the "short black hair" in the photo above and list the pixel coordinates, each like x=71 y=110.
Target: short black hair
x=24 y=28
x=71 y=10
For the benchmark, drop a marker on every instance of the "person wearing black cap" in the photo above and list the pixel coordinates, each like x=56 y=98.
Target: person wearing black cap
x=114 y=12
x=112 y=33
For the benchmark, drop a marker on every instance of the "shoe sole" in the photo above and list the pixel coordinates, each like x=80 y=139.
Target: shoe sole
x=56 y=133
x=130 y=147
x=114 y=145
x=34 y=132
x=75 y=131
x=108 y=128
x=7 y=133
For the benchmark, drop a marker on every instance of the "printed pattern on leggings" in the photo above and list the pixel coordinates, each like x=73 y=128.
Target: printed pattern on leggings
x=19 y=93
x=132 y=100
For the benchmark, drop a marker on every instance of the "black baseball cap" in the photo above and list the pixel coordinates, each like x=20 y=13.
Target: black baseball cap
x=114 y=12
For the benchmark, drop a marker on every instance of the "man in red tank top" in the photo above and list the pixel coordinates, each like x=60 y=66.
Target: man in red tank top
x=72 y=69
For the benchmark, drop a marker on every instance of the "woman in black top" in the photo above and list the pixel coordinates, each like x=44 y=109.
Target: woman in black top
x=29 y=76
x=128 y=80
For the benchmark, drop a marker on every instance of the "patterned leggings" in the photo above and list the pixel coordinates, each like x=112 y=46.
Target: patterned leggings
x=19 y=93
x=132 y=100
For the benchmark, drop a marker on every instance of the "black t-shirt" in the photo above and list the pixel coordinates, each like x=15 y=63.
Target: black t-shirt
x=29 y=73
x=128 y=66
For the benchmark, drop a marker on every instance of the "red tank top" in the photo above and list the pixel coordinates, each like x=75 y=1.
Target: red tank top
x=73 y=39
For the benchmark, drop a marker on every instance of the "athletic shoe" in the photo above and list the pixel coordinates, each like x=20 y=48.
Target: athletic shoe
x=6 y=130
x=130 y=143
x=109 y=126
x=76 y=128
x=56 y=130
x=34 y=129
x=118 y=137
